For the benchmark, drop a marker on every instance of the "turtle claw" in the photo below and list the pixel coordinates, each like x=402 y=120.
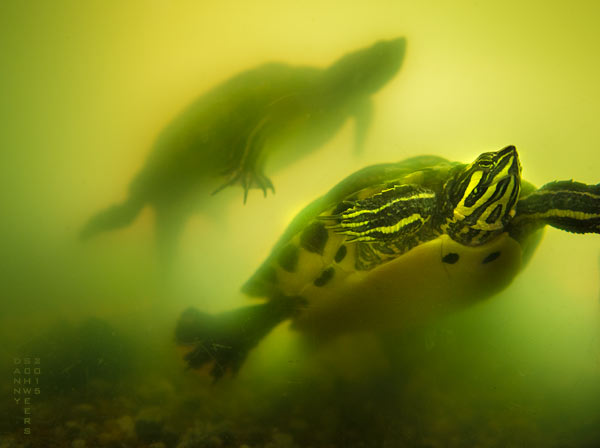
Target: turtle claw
x=270 y=184
x=264 y=183
x=248 y=180
x=232 y=180
x=246 y=188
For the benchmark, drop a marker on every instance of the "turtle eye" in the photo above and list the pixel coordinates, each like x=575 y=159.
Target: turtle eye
x=485 y=163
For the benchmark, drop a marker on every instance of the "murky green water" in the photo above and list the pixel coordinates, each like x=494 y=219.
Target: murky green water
x=86 y=89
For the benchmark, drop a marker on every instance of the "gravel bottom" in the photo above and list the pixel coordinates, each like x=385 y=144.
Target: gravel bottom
x=244 y=413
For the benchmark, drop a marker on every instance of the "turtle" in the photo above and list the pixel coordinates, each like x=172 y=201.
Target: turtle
x=226 y=136
x=390 y=247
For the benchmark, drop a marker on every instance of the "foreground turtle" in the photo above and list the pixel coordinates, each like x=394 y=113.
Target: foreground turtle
x=391 y=246
x=226 y=136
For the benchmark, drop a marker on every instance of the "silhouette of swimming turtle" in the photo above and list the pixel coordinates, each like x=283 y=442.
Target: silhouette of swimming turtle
x=226 y=136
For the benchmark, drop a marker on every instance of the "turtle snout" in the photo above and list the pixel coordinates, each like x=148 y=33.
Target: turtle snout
x=510 y=158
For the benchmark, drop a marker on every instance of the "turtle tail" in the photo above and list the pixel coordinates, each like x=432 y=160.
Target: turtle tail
x=114 y=217
x=226 y=339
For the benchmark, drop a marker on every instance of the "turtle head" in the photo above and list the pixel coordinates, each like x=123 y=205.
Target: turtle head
x=483 y=196
x=367 y=70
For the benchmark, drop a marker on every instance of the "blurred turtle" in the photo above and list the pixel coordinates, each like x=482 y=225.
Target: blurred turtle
x=227 y=135
x=392 y=246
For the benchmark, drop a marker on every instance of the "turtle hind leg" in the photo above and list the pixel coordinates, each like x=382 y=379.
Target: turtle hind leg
x=114 y=217
x=170 y=224
x=225 y=339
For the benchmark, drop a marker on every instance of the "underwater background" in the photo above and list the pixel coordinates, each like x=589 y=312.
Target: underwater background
x=86 y=88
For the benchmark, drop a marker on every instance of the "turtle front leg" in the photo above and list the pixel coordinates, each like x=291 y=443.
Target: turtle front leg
x=249 y=170
x=225 y=340
x=566 y=205
x=395 y=213
x=363 y=115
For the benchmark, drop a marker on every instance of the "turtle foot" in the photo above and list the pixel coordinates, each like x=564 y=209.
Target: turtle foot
x=211 y=342
x=223 y=358
x=248 y=179
x=224 y=340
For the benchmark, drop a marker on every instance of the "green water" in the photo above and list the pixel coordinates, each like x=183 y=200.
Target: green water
x=87 y=87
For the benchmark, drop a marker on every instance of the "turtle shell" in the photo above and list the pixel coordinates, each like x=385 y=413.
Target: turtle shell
x=260 y=283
